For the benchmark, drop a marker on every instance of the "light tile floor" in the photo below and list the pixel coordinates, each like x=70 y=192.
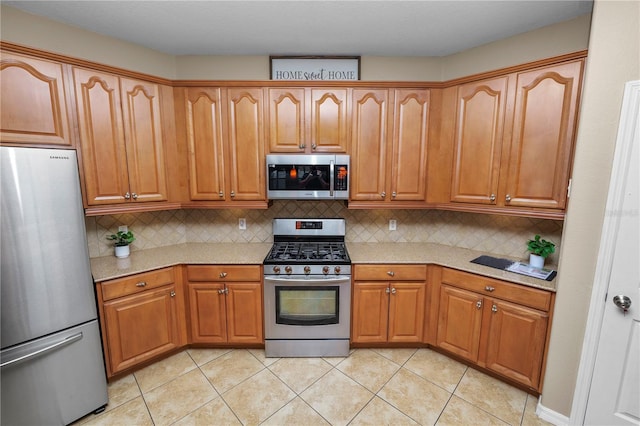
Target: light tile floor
x=370 y=387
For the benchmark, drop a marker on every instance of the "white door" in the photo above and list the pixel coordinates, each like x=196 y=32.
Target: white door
x=614 y=396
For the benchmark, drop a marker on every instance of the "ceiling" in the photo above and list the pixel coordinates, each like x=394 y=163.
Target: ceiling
x=356 y=27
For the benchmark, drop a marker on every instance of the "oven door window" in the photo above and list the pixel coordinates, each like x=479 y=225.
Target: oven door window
x=307 y=305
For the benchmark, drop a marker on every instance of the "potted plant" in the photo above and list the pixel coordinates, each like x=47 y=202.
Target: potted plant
x=539 y=249
x=121 y=241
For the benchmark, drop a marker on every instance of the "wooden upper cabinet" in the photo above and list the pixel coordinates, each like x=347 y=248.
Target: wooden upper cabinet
x=478 y=141
x=33 y=107
x=369 y=144
x=329 y=125
x=121 y=138
x=286 y=119
x=205 y=144
x=246 y=143
x=143 y=134
x=409 y=145
x=307 y=120
x=541 y=144
x=104 y=156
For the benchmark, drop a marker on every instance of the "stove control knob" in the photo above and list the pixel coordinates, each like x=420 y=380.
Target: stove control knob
x=307 y=270
x=325 y=270
x=276 y=269
x=337 y=270
x=287 y=269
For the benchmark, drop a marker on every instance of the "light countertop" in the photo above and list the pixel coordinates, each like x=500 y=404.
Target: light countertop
x=109 y=267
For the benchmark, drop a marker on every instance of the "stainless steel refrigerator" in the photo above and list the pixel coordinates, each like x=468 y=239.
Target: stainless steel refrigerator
x=52 y=368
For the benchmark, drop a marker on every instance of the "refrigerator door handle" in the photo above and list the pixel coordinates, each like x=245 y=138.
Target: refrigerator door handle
x=64 y=342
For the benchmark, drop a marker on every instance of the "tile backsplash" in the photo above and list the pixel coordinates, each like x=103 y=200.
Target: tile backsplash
x=499 y=235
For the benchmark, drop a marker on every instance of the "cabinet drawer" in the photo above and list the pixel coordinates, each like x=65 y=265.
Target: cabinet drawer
x=528 y=296
x=223 y=273
x=390 y=272
x=136 y=283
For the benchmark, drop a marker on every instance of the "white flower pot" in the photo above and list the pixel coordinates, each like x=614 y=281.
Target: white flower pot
x=122 y=251
x=536 y=261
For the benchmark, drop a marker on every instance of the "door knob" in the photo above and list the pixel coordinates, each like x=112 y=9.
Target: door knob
x=622 y=302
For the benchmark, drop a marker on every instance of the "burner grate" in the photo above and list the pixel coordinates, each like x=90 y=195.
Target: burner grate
x=308 y=251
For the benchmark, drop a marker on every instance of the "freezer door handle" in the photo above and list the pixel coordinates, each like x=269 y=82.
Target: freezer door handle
x=64 y=342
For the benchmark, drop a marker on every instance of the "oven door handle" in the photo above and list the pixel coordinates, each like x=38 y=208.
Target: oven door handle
x=307 y=281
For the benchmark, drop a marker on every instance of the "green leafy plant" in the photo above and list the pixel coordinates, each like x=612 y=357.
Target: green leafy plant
x=541 y=247
x=122 y=238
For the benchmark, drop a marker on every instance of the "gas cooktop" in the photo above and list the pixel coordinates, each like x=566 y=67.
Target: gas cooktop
x=308 y=252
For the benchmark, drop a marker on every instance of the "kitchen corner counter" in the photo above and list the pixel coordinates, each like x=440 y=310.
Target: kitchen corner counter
x=109 y=267
x=451 y=257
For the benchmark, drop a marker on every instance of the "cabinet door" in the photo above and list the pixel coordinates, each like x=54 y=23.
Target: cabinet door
x=406 y=312
x=329 y=125
x=140 y=327
x=370 y=316
x=369 y=144
x=459 y=322
x=33 y=107
x=478 y=141
x=244 y=312
x=246 y=144
x=104 y=158
x=516 y=342
x=207 y=312
x=287 y=120
x=205 y=140
x=143 y=136
x=409 y=156
x=544 y=122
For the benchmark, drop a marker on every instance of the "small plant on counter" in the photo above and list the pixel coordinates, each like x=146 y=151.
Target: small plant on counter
x=540 y=247
x=122 y=238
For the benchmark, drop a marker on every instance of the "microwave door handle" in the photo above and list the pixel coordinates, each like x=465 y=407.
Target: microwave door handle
x=331 y=177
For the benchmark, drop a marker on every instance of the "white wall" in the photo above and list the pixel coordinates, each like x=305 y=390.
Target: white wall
x=614 y=58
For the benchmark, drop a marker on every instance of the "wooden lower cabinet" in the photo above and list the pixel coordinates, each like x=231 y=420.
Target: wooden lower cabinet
x=142 y=318
x=391 y=309
x=503 y=335
x=225 y=304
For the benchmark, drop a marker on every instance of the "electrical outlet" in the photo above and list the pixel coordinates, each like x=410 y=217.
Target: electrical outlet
x=392 y=224
x=123 y=228
x=242 y=223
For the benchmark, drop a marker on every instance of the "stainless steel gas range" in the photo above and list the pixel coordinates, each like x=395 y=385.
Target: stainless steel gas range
x=307 y=289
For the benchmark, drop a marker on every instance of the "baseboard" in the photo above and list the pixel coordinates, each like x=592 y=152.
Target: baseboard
x=551 y=416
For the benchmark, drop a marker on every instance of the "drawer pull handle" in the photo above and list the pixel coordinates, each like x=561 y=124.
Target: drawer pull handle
x=141 y=284
x=223 y=274
x=479 y=304
x=391 y=273
x=489 y=288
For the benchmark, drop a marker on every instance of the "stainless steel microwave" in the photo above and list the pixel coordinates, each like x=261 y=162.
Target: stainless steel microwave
x=307 y=177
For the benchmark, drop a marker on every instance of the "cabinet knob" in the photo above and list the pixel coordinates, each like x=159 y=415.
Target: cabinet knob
x=233 y=194
x=479 y=304
x=393 y=290
x=141 y=284
x=134 y=196
x=393 y=194
x=507 y=198
x=489 y=288
x=127 y=196
x=391 y=273
x=492 y=197
x=386 y=290
x=384 y=194
x=494 y=309
x=221 y=194
x=223 y=274
x=302 y=146
x=172 y=294
x=221 y=291
x=314 y=146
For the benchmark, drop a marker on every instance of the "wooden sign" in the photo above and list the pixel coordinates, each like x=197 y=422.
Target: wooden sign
x=315 y=68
